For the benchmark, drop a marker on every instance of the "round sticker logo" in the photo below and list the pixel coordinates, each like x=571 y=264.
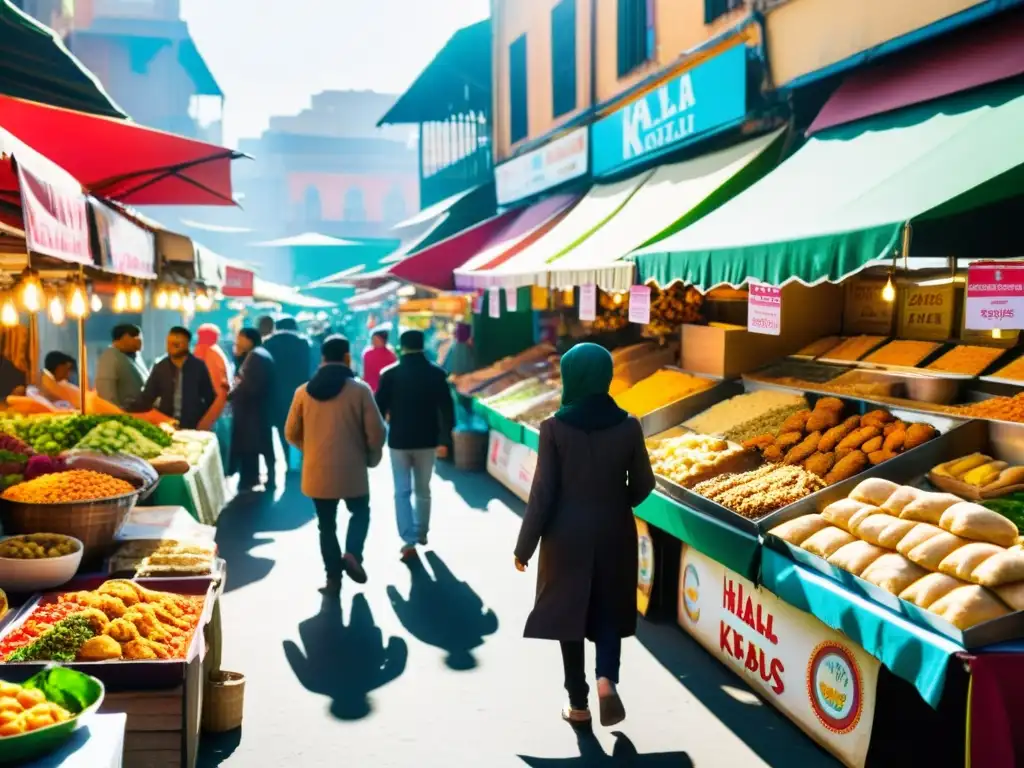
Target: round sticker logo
x=645 y=551
x=834 y=687
x=691 y=593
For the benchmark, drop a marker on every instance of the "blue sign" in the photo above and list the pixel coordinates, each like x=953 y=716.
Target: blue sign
x=707 y=98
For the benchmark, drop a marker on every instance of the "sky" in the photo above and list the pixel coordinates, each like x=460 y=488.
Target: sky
x=270 y=56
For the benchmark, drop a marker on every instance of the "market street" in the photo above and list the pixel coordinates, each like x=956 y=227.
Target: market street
x=429 y=667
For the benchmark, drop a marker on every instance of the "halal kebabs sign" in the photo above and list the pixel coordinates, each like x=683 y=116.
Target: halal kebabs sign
x=995 y=296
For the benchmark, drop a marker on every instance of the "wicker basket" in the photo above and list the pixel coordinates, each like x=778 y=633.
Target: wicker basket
x=223 y=702
x=470 y=450
x=94 y=523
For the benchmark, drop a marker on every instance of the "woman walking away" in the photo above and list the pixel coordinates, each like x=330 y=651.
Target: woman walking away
x=592 y=470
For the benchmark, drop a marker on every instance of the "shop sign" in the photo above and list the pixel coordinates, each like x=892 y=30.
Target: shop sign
x=54 y=210
x=995 y=296
x=640 y=304
x=238 y=283
x=494 y=302
x=864 y=310
x=705 y=99
x=926 y=312
x=588 y=302
x=644 y=566
x=564 y=159
x=125 y=247
x=764 y=309
x=817 y=677
x=512 y=299
x=511 y=464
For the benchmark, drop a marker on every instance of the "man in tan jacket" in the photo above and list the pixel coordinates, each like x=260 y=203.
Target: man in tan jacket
x=335 y=422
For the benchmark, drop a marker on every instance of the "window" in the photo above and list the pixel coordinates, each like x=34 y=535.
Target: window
x=519 y=123
x=563 y=57
x=635 y=34
x=713 y=9
x=354 y=208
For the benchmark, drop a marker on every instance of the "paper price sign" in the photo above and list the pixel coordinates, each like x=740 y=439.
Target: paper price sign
x=511 y=299
x=995 y=296
x=640 y=304
x=927 y=312
x=588 y=302
x=494 y=302
x=764 y=309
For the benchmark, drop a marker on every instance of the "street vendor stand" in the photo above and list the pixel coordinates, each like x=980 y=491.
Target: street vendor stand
x=201 y=491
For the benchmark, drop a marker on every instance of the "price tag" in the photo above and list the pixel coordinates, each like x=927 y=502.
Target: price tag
x=588 y=302
x=764 y=309
x=994 y=296
x=926 y=312
x=511 y=299
x=494 y=302
x=640 y=304
x=865 y=311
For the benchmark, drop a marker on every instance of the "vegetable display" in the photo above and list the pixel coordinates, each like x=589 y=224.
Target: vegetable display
x=113 y=437
x=65 y=487
x=60 y=643
x=52 y=434
x=37 y=546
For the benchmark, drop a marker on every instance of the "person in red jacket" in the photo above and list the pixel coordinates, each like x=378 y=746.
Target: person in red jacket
x=377 y=357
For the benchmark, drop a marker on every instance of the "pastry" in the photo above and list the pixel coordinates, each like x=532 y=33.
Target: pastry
x=856 y=556
x=1012 y=595
x=961 y=562
x=930 y=588
x=799 y=529
x=870 y=528
x=833 y=436
x=1004 y=568
x=826 y=541
x=1008 y=477
x=893 y=573
x=802 y=451
x=966 y=607
x=900 y=498
x=973 y=521
x=919 y=434
x=928 y=507
x=895 y=532
x=932 y=552
x=875 y=491
x=841 y=512
x=919 y=534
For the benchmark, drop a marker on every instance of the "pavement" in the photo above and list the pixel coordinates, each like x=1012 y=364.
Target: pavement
x=427 y=666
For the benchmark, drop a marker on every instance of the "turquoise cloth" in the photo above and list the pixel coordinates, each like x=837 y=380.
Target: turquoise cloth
x=911 y=652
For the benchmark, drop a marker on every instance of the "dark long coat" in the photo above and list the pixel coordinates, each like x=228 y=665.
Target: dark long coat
x=250 y=405
x=581 y=513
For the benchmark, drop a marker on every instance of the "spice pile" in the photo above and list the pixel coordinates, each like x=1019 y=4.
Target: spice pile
x=967 y=359
x=658 y=390
x=66 y=487
x=998 y=408
x=735 y=417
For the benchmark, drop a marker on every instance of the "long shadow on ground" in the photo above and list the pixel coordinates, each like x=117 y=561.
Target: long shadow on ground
x=477 y=489
x=444 y=612
x=215 y=748
x=623 y=754
x=345 y=663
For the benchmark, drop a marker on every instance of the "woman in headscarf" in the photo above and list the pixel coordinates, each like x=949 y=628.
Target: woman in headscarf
x=592 y=470
x=221 y=374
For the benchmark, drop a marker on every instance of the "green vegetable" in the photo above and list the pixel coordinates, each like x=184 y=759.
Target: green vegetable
x=114 y=437
x=1010 y=508
x=60 y=643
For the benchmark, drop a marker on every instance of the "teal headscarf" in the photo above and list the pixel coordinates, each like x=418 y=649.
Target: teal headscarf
x=587 y=371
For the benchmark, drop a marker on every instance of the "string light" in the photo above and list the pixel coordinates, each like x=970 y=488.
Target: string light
x=120 y=299
x=203 y=302
x=96 y=303
x=617 y=299
x=174 y=300
x=30 y=291
x=135 y=299
x=8 y=313
x=188 y=304
x=889 y=291
x=56 y=309
x=77 y=305
x=160 y=301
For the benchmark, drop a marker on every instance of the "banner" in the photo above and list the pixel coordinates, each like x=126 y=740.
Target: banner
x=564 y=159
x=995 y=296
x=54 y=209
x=238 y=283
x=822 y=681
x=125 y=247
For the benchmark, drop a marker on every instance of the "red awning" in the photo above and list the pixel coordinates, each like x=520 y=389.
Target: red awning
x=120 y=160
x=982 y=54
x=435 y=265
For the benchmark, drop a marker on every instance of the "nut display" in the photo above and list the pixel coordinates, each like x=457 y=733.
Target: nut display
x=820 y=347
x=761 y=491
x=998 y=408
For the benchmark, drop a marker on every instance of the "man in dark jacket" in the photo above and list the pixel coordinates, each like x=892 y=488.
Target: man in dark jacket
x=293 y=363
x=179 y=386
x=414 y=397
x=251 y=418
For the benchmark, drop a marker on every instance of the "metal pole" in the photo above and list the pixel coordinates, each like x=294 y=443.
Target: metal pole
x=83 y=363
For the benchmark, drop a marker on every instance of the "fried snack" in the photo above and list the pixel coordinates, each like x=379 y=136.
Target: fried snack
x=823 y=419
x=829 y=404
x=773 y=453
x=799 y=453
x=848 y=466
x=760 y=442
x=100 y=648
x=877 y=457
x=857 y=438
x=831 y=439
x=919 y=434
x=820 y=463
x=795 y=423
x=877 y=418
x=894 y=441
x=892 y=426
x=872 y=445
x=787 y=440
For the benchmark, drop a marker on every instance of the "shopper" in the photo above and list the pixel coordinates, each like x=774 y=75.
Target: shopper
x=414 y=397
x=120 y=372
x=250 y=400
x=592 y=470
x=265 y=325
x=221 y=374
x=334 y=422
x=460 y=356
x=293 y=363
x=179 y=385
x=377 y=357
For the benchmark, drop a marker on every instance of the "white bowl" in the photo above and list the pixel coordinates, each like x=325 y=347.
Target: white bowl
x=17 y=575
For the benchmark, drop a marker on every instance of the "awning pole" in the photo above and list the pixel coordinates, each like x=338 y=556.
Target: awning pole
x=83 y=363
x=907 y=233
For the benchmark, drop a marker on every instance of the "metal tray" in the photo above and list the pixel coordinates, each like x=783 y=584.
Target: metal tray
x=837 y=361
x=940 y=348
x=675 y=413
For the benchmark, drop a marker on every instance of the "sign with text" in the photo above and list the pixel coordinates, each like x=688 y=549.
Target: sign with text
x=644 y=566
x=511 y=464
x=640 y=304
x=926 y=312
x=995 y=296
x=764 y=309
x=588 y=302
x=494 y=302
x=511 y=299
x=238 y=282
x=55 y=214
x=564 y=159
x=817 y=677
x=125 y=247
x=864 y=310
x=707 y=98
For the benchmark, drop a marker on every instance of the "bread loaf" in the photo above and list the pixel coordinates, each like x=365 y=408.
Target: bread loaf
x=900 y=498
x=928 y=507
x=1012 y=595
x=799 y=529
x=895 y=532
x=932 y=552
x=826 y=541
x=893 y=573
x=856 y=556
x=1005 y=568
x=930 y=588
x=871 y=528
x=840 y=512
x=919 y=534
x=973 y=521
x=966 y=607
x=874 y=491
x=962 y=561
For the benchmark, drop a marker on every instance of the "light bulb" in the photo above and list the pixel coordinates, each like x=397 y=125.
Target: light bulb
x=160 y=299
x=8 y=313
x=188 y=304
x=889 y=291
x=56 y=311
x=95 y=303
x=203 y=302
x=30 y=292
x=121 y=299
x=996 y=333
x=174 y=300
x=77 y=305
x=617 y=299
x=135 y=299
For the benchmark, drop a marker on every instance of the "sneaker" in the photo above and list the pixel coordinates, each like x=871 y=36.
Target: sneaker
x=408 y=553
x=354 y=568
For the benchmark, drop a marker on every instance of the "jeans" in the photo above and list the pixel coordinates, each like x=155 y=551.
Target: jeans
x=411 y=470
x=609 y=649
x=355 y=537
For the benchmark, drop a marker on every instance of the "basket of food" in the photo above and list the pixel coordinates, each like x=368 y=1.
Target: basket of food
x=38 y=561
x=89 y=506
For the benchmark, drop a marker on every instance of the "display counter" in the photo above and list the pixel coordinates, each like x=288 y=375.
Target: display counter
x=201 y=490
